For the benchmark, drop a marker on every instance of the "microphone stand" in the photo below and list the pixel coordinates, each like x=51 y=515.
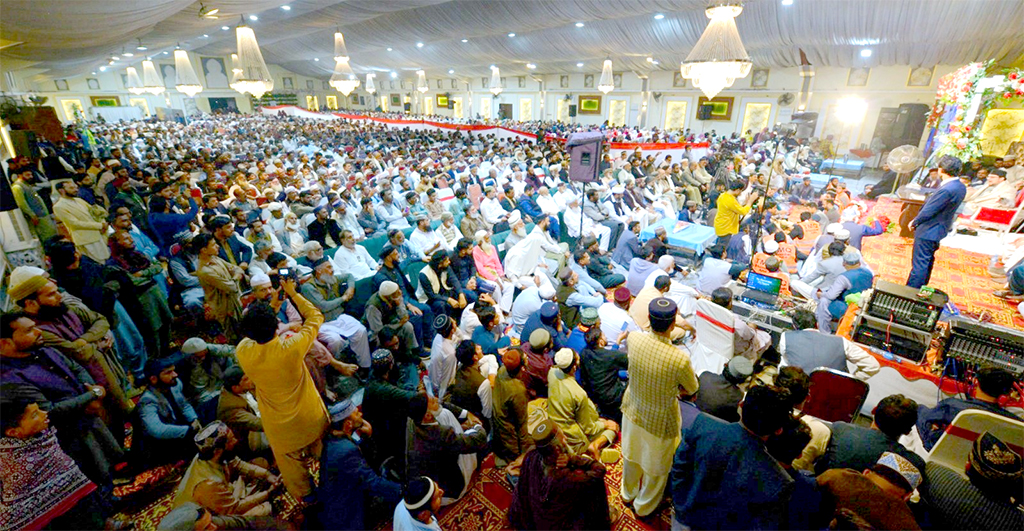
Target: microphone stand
x=756 y=236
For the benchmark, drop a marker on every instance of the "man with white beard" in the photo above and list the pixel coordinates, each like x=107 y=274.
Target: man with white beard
x=518 y=228
x=562 y=196
x=329 y=293
x=616 y=208
x=346 y=218
x=556 y=253
x=574 y=216
x=546 y=202
x=524 y=263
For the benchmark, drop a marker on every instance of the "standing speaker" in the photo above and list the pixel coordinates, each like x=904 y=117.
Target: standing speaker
x=572 y=110
x=585 y=155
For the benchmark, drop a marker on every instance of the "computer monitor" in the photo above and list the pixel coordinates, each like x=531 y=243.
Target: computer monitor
x=764 y=283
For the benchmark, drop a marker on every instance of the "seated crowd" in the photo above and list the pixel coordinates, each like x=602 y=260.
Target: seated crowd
x=358 y=317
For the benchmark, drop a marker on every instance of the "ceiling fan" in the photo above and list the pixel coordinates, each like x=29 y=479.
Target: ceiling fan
x=207 y=13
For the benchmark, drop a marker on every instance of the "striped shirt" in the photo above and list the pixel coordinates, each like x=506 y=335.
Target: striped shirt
x=657 y=370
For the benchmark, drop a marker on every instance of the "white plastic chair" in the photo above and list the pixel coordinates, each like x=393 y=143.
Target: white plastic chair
x=954 y=446
x=713 y=347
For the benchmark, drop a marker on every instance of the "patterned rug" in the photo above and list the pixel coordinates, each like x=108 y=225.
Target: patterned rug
x=963 y=275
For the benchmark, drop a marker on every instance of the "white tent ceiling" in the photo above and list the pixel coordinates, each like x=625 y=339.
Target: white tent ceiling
x=63 y=38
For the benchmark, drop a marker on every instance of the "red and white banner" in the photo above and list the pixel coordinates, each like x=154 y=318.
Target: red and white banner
x=659 y=150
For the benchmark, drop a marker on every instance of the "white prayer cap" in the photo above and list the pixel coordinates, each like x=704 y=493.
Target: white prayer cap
x=387 y=288
x=564 y=358
x=771 y=246
x=573 y=200
x=276 y=206
x=618 y=190
x=842 y=234
x=259 y=279
x=555 y=168
x=538 y=171
x=831 y=228
x=546 y=291
x=480 y=235
x=514 y=217
x=666 y=261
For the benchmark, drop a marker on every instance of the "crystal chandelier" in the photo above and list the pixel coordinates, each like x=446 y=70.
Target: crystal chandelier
x=421 y=82
x=370 y=87
x=254 y=76
x=134 y=82
x=151 y=79
x=236 y=72
x=344 y=79
x=718 y=58
x=495 y=81
x=188 y=81
x=606 y=84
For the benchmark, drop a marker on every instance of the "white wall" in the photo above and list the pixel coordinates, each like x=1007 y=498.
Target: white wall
x=886 y=87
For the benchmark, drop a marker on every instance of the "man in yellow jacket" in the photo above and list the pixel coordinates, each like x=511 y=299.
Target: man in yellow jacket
x=294 y=416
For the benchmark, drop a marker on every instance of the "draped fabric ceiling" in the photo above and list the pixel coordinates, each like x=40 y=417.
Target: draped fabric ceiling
x=62 y=38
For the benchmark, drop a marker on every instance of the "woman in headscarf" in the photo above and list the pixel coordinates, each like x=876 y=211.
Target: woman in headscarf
x=155 y=321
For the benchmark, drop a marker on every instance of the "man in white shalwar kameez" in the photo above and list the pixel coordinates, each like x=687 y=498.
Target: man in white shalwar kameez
x=573 y=216
x=353 y=259
x=524 y=263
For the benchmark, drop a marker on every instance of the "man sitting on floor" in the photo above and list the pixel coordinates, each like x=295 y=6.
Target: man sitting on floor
x=573 y=412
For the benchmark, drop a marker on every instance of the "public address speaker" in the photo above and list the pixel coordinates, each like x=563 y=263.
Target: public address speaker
x=585 y=150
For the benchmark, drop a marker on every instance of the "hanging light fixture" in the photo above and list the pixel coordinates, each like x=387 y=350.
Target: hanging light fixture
x=134 y=82
x=718 y=58
x=344 y=79
x=188 y=81
x=421 y=82
x=370 y=87
x=151 y=82
x=254 y=77
x=606 y=84
x=496 y=81
x=236 y=73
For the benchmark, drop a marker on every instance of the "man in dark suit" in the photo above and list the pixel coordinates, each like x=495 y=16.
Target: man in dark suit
x=935 y=220
x=722 y=476
x=857 y=447
x=720 y=394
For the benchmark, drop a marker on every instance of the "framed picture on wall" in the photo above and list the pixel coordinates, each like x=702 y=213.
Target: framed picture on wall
x=759 y=78
x=392 y=85
x=522 y=82
x=326 y=85
x=124 y=80
x=169 y=74
x=396 y=100
x=617 y=80
x=588 y=81
x=858 y=77
x=288 y=83
x=720 y=108
x=920 y=77
x=442 y=101
x=590 y=104
x=362 y=100
x=105 y=101
x=309 y=84
x=483 y=82
x=678 y=81
x=355 y=99
x=455 y=83
x=94 y=84
x=439 y=83
x=215 y=72
x=62 y=84
x=563 y=81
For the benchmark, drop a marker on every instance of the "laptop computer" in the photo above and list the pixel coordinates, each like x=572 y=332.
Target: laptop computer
x=762 y=291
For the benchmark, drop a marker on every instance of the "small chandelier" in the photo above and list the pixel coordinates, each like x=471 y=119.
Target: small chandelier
x=343 y=79
x=496 y=81
x=134 y=82
x=151 y=79
x=188 y=81
x=606 y=83
x=254 y=76
x=236 y=72
x=718 y=58
x=370 y=87
x=421 y=82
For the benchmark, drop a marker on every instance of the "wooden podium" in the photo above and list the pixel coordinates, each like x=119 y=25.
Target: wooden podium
x=912 y=201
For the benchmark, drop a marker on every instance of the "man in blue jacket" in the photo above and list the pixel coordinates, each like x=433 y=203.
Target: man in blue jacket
x=166 y=421
x=935 y=220
x=528 y=205
x=723 y=477
x=346 y=480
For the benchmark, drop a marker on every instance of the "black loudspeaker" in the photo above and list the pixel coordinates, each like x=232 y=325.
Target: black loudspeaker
x=572 y=111
x=704 y=112
x=909 y=124
x=884 y=127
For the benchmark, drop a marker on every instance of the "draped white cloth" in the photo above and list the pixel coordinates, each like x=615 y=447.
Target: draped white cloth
x=68 y=37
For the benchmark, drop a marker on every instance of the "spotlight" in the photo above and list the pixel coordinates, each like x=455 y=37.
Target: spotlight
x=511 y=34
x=450 y=71
x=394 y=75
x=465 y=40
x=317 y=59
x=205 y=36
x=419 y=44
x=389 y=48
x=659 y=16
x=128 y=54
x=225 y=28
x=580 y=24
x=866 y=52
x=787 y=2
x=286 y=8
x=531 y=66
x=580 y=65
x=103 y=69
x=253 y=18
